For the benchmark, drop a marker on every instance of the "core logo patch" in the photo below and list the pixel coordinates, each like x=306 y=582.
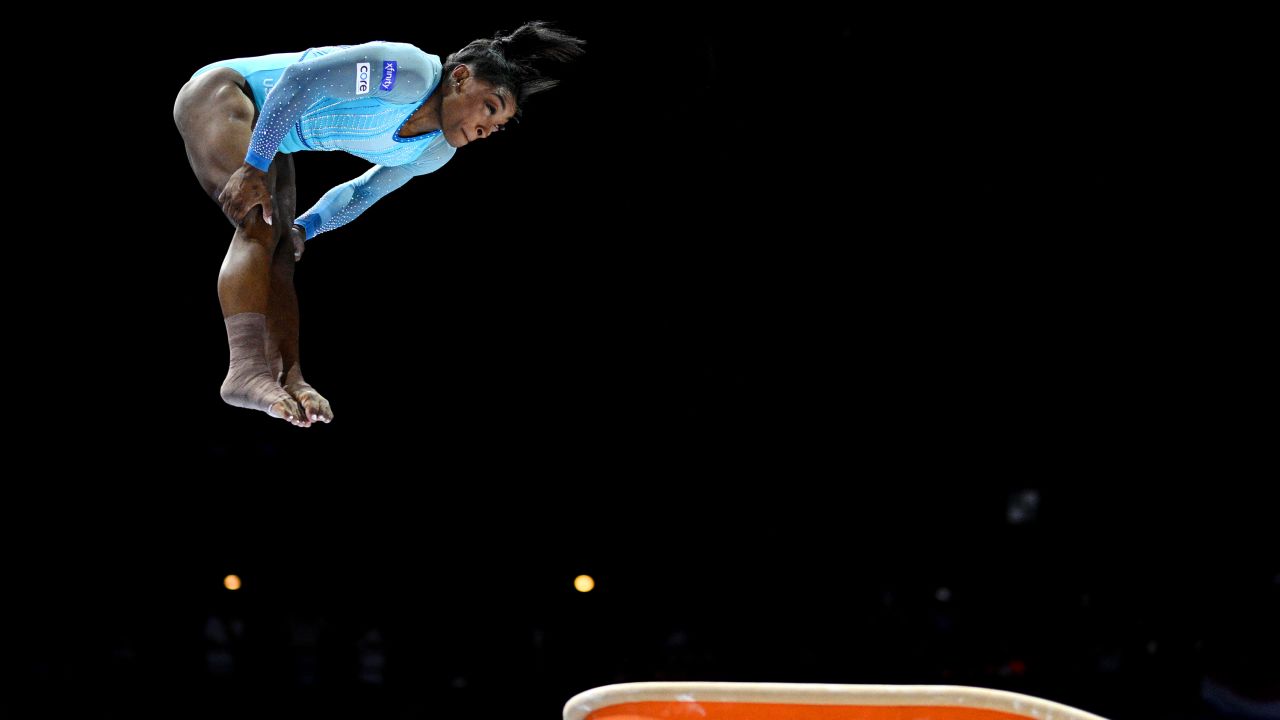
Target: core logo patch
x=362 y=78
x=388 y=75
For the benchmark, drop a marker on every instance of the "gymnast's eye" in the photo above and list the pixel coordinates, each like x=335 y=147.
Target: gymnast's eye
x=491 y=108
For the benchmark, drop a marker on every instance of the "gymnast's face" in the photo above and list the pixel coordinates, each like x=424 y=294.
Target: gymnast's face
x=472 y=109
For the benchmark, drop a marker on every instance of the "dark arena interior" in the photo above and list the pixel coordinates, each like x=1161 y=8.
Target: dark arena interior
x=849 y=347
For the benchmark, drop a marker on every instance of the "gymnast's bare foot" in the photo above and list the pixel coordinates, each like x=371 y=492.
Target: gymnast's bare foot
x=257 y=391
x=314 y=407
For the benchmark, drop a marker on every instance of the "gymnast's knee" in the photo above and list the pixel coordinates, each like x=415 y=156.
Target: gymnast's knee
x=256 y=230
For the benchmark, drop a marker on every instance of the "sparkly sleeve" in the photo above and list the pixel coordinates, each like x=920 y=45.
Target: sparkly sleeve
x=345 y=202
x=392 y=71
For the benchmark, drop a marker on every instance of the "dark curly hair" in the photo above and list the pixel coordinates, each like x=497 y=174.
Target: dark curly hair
x=516 y=61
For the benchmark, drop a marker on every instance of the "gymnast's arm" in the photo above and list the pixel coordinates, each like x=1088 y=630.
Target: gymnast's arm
x=337 y=76
x=344 y=203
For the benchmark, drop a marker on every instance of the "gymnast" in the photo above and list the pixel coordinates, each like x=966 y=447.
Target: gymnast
x=390 y=103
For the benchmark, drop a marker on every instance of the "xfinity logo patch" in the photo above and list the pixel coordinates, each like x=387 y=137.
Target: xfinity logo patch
x=388 y=75
x=362 y=78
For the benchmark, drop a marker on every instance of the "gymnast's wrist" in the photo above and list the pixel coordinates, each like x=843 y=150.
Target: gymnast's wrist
x=256 y=162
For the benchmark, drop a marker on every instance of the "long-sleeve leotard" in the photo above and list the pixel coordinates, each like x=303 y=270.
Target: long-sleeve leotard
x=351 y=98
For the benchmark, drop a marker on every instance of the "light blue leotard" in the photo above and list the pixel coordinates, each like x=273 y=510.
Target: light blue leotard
x=344 y=97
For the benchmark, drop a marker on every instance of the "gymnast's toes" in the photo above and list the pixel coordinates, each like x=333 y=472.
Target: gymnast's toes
x=314 y=407
x=247 y=387
x=288 y=409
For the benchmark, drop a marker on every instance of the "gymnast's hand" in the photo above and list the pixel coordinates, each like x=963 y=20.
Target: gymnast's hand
x=299 y=238
x=246 y=187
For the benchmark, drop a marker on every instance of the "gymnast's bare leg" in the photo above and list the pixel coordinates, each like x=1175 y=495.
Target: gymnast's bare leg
x=282 y=305
x=215 y=115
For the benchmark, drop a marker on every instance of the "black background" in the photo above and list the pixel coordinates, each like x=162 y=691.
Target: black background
x=759 y=318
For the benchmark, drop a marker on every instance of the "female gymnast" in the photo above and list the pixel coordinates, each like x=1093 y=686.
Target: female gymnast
x=390 y=103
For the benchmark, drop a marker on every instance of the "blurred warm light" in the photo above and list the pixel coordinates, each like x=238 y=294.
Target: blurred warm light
x=232 y=582
x=584 y=583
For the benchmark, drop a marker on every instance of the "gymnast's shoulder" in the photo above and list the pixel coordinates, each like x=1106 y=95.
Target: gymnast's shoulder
x=407 y=64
